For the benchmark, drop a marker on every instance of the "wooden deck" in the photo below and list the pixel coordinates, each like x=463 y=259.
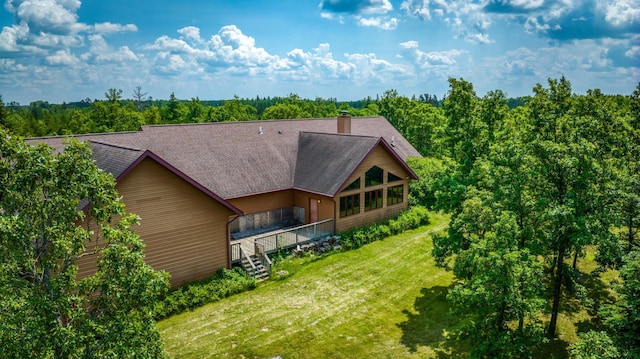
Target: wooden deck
x=281 y=238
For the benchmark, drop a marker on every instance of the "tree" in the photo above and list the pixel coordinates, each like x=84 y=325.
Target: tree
x=45 y=310
x=284 y=111
x=569 y=180
x=174 y=111
x=4 y=114
x=113 y=95
x=623 y=316
x=502 y=285
x=139 y=97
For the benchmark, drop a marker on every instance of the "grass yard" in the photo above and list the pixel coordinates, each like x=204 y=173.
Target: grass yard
x=384 y=300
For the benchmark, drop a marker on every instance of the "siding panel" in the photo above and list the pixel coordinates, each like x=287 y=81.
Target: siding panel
x=381 y=158
x=184 y=230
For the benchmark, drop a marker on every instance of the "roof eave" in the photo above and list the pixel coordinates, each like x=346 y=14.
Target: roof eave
x=182 y=175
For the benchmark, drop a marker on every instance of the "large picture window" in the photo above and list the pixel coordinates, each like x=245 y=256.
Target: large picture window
x=354 y=185
x=374 y=176
x=392 y=178
x=349 y=205
x=373 y=200
x=395 y=194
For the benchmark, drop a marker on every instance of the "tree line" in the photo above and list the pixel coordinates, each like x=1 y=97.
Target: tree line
x=531 y=190
x=115 y=113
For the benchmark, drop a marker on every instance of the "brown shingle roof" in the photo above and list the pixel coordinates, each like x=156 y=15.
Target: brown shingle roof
x=114 y=159
x=325 y=161
x=237 y=159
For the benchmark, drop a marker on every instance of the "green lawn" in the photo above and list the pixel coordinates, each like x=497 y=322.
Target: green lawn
x=384 y=300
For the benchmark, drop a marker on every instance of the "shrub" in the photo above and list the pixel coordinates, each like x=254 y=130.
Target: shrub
x=413 y=218
x=223 y=284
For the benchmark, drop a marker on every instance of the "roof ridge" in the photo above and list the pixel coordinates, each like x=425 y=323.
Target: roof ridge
x=340 y=134
x=116 y=146
x=237 y=122
x=80 y=135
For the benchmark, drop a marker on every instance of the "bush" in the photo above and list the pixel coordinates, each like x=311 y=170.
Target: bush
x=413 y=218
x=223 y=284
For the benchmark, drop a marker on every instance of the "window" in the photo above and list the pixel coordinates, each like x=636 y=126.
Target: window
x=349 y=205
x=395 y=194
x=373 y=200
x=354 y=185
x=374 y=176
x=392 y=178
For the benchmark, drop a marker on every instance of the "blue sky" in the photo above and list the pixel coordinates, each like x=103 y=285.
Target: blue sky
x=68 y=50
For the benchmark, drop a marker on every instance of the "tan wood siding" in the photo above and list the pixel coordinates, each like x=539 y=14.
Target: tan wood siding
x=325 y=205
x=381 y=158
x=264 y=202
x=184 y=230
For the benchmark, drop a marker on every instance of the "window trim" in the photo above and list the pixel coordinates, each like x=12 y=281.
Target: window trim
x=395 y=194
x=349 y=211
x=368 y=181
x=373 y=199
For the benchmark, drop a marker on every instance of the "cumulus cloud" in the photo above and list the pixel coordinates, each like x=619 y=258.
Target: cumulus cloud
x=61 y=57
x=563 y=20
x=622 y=13
x=101 y=52
x=49 y=28
x=440 y=62
x=466 y=18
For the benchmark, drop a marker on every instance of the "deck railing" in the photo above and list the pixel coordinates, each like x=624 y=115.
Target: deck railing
x=295 y=236
x=263 y=257
x=236 y=250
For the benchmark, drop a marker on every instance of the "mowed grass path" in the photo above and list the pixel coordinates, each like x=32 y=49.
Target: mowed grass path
x=384 y=300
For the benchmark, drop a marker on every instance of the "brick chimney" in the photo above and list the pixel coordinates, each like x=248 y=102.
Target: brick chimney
x=344 y=122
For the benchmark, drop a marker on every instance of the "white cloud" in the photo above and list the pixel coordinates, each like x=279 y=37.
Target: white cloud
x=101 y=52
x=50 y=29
x=623 y=12
x=105 y=28
x=382 y=23
x=166 y=43
x=417 y=8
x=633 y=52
x=466 y=18
x=412 y=44
x=61 y=57
x=432 y=59
x=191 y=33
x=233 y=47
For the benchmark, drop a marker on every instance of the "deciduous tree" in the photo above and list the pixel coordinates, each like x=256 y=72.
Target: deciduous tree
x=54 y=209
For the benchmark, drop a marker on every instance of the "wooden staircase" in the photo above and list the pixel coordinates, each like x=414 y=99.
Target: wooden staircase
x=254 y=267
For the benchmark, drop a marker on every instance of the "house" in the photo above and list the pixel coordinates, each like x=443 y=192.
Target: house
x=199 y=189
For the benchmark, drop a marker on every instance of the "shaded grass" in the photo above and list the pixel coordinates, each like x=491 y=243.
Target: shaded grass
x=384 y=300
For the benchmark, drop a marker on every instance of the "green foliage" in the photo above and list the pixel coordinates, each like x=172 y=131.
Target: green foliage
x=45 y=311
x=414 y=217
x=594 y=345
x=224 y=283
x=623 y=316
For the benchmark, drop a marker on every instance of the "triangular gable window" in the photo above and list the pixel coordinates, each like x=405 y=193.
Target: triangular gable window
x=393 y=178
x=354 y=185
x=374 y=176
